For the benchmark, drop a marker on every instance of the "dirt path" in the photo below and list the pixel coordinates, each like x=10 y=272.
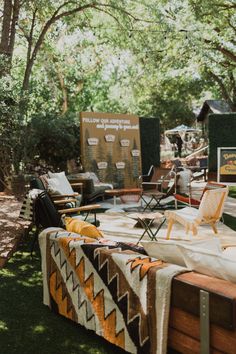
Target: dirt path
x=11 y=227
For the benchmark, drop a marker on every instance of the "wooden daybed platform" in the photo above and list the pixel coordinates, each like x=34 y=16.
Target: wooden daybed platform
x=184 y=322
x=112 y=291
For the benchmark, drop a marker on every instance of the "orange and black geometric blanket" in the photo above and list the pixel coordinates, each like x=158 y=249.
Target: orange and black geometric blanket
x=104 y=288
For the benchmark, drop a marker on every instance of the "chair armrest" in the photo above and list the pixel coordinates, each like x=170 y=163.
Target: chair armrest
x=77 y=186
x=144 y=178
x=150 y=186
x=80 y=209
x=55 y=196
x=64 y=201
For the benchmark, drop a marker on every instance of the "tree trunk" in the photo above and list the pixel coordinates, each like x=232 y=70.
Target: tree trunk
x=6 y=27
x=10 y=18
x=64 y=91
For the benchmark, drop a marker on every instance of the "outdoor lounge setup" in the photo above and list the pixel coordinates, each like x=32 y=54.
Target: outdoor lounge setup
x=132 y=287
x=121 y=254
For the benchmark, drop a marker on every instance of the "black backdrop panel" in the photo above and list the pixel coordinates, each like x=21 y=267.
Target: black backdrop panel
x=150 y=142
x=222 y=133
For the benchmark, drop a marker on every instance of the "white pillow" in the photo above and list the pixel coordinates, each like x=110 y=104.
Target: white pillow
x=168 y=251
x=183 y=180
x=209 y=262
x=54 y=186
x=64 y=185
x=94 y=177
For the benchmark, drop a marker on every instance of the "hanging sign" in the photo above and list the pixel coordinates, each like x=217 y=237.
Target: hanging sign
x=135 y=153
x=102 y=165
x=124 y=142
x=120 y=165
x=92 y=141
x=110 y=138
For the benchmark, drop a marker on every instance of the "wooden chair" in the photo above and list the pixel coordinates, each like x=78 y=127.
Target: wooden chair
x=193 y=202
x=159 y=187
x=209 y=212
x=69 y=200
x=47 y=215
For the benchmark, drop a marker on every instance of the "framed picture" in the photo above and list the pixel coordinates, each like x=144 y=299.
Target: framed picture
x=226 y=165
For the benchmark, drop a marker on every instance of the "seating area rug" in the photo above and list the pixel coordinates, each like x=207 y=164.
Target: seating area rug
x=120 y=226
x=122 y=295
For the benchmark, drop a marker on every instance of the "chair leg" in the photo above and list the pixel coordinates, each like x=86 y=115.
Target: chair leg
x=194 y=231
x=170 y=225
x=213 y=225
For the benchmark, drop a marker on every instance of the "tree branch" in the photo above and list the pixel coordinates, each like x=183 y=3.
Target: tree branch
x=64 y=90
x=226 y=52
x=30 y=37
x=221 y=85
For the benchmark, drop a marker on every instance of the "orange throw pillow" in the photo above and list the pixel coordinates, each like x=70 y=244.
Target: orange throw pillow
x=82 y=227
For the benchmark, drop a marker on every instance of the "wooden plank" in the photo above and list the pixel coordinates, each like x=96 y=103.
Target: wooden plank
x=221 y=340
x=222 y=301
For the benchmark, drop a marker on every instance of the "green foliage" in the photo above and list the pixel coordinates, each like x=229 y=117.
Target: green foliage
x=222 y=129
x=232 y=192
x=154 y=59
x=53 y=139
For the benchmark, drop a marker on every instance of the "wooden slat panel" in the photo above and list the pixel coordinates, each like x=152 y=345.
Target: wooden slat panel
x=221 y=340
x=185 y=295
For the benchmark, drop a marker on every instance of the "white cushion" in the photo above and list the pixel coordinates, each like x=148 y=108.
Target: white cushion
x=63 y=186
x=183 y=181
x=209 y=262
x=230 y=252
x=168 y=250
x=94 y=177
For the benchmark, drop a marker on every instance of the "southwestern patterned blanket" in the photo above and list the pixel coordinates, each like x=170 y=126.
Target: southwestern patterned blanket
x=119 y=293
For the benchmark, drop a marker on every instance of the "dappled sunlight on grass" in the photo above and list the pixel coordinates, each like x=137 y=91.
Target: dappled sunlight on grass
x=232 y=192
x=3 y=326
x=39 y=329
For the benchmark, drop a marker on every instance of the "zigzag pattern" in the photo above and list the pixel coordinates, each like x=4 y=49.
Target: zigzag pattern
x=125 y=298
x=60 y=294
x=144 y=265
x=96 y=302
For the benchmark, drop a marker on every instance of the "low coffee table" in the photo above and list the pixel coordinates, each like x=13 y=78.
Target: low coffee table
x=146 y=221
x=124 y=191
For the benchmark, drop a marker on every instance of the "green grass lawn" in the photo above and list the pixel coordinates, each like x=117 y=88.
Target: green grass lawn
x=232 y=192
x=27 y=326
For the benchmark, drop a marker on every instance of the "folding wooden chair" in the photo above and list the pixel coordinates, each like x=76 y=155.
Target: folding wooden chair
x=210 y=211
x=154 y=191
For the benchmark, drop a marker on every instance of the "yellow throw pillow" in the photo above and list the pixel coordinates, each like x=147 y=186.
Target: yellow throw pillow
x=82 y=227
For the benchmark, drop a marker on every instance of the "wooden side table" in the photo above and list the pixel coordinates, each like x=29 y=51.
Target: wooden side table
x=120 y=192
